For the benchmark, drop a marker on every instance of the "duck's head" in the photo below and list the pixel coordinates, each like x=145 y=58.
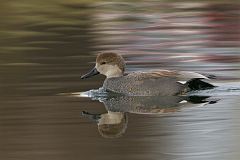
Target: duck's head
x=109 y=64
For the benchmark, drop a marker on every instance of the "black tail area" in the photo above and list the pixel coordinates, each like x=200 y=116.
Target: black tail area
x=201 y=99
x=197 y=99
x=198 y=84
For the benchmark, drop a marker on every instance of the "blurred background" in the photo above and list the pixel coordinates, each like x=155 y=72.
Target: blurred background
x=46 y=45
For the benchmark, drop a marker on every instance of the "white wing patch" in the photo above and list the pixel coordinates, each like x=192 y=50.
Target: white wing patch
x=182 y=82
x=183 y=101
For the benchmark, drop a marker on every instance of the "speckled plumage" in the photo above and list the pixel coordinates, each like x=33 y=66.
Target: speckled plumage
x=146 y=83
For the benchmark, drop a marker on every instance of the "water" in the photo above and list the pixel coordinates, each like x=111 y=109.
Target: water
x=46 y=45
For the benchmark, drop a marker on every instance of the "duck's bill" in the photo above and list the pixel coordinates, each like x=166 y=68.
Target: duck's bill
x=93 y=72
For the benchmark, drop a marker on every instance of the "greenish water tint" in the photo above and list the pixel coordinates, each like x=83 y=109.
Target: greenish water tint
x=45 y=46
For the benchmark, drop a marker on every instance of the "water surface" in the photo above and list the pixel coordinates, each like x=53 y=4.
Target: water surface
x=46 y=46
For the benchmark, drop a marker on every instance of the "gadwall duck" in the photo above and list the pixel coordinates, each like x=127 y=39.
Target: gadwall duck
x=157 y=82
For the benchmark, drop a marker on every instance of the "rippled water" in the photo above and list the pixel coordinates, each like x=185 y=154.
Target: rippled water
x=46 y=45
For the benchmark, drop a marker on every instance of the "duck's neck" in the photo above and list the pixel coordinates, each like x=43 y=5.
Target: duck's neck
x=114 y=73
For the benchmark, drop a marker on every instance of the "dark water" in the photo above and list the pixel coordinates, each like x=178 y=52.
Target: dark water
x=46 y=45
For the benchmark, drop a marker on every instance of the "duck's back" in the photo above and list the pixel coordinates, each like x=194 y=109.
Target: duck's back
x=146 y=83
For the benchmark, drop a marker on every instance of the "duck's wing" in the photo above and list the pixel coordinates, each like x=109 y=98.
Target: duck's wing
x=192 y=79
x=184 y=76
x=155 y=74
x=179 y=75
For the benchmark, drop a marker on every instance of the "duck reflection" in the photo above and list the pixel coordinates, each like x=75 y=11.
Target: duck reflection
x=113 y=124
x=110 y=124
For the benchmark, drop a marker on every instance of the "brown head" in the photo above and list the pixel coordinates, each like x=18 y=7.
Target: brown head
x=109 y=64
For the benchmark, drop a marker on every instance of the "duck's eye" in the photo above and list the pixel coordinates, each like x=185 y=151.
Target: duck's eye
x=103 y=63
